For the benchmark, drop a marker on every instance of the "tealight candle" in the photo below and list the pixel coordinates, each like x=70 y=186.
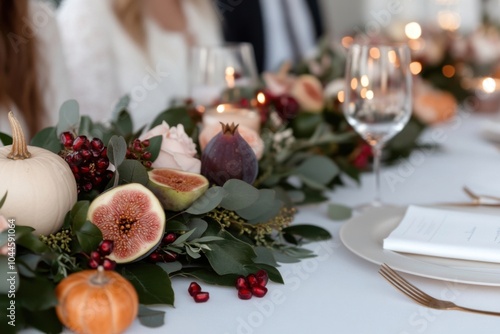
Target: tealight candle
x=486 y=94
x=227 y=113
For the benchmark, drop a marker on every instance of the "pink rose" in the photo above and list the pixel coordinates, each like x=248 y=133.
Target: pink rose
x=3 y=226
x=177 y=148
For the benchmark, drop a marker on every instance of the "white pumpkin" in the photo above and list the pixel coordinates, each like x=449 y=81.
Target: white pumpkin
x=39 y=184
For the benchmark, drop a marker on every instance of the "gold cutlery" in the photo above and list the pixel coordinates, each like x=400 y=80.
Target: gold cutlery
x=480 y=199
x=421 y=297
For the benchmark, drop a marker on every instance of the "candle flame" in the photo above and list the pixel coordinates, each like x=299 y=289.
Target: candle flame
x=261 y=98
x=220 y=108
x=489 y=85
x=230 y=76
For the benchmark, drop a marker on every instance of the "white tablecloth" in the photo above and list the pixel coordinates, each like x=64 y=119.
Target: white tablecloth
x=338 y=292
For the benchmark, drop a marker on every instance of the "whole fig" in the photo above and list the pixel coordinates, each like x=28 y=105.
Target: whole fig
x=228 y=156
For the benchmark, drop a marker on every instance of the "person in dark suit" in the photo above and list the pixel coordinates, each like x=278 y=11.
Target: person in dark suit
x=278 y=30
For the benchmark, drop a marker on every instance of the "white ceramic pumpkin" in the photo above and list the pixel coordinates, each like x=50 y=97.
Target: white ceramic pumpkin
x=40 y=186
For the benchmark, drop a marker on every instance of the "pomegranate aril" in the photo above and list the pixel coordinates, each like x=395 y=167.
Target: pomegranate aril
x=97 y=144
x=262 y=277
x=194 y=288
x=241 y=283
x=259 y=291
x=102 y=164
x=201 y=297
x=108 y=264
x=87 y=187
x=106 y=247
x=252 y=280
x=104 y=153
x=244 y=293
x=80 y=142
x=76 y=158
x=67 y=139
x=86 y=154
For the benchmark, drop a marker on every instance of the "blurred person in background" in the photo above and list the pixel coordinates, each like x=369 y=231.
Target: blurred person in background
x=279 y=30
x=134 y=47
x=33 y=76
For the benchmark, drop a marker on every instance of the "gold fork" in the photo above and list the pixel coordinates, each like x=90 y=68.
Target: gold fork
x=421 y=297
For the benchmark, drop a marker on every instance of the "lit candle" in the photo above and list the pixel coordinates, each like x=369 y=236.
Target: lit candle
x=486 y=94
x=227 y=113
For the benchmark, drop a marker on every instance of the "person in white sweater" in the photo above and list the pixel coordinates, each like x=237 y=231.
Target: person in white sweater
x=33 y=77
x=138 y=48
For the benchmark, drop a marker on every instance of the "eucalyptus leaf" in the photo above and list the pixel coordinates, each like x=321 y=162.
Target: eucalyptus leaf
x=170 y=267
x=208 y=201
x=265 y=256
x=5 y=139
x=339 y=212
x=308 y=232
x=123 y=124
x=151 y=283
x=86 y=126
x=239 y=195
x=120 y=106
x=183 y=238
x=264 y=203
x=47 y=139
x=151 y=318
x=175 y=225
x=198 y=225
x=132 y=171
x=117 y=150
x=272 y=212
x=69 y=116
x=230 y=257
x=192 y=253
x=318 y=169
x=209 y=276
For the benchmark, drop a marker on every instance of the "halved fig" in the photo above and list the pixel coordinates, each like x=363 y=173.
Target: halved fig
x=176 y=189
x=132 y=217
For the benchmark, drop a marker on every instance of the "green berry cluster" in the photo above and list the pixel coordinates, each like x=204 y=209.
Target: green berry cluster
x=59 y=241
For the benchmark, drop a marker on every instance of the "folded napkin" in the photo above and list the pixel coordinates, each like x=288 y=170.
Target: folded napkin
x=447 y=233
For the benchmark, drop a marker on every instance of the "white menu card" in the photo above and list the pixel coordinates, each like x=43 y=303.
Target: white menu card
x=447 y=233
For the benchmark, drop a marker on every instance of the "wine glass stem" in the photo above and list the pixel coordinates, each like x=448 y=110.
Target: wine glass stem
x=377 y=154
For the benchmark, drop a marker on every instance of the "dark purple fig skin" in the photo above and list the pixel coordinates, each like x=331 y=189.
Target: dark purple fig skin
x=228 y=156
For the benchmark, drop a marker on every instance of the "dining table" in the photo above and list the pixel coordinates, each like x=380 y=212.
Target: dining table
x=338 y=291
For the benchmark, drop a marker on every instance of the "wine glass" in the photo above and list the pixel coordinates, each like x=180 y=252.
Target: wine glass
x=222 y=73
x=377 y=100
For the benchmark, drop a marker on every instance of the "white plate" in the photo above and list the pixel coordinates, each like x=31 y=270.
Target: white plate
x=364 y=234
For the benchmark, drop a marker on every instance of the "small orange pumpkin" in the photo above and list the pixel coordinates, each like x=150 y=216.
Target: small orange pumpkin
x=96 y=301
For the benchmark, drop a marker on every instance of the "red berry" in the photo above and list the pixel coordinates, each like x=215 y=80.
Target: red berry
x=170 y=257
x=106 y=247
x=67 y=139
x=96 y=256
x=262 y=277
x=252 y=280
x=145 y=143
x=93 y=264
x=155 y=257
x=148 y=164
x=201 y=297
x=241 y=283
x=147 y=155
x=108 y=264
x=169 y=238
x=244 y=294
x=259 y=291
x=194 y=288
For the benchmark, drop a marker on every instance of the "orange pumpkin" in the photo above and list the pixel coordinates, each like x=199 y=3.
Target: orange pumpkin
x=96 y=301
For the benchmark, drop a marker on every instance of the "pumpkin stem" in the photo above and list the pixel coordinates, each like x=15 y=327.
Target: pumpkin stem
x=19 y=150
x=100 y=278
